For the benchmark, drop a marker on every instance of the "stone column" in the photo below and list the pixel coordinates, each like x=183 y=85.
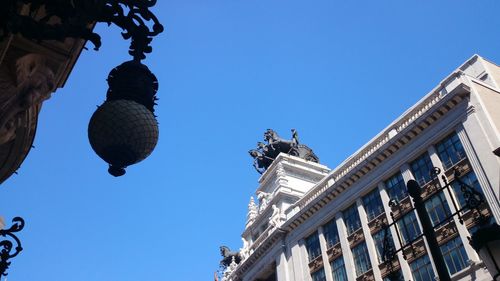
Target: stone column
x=491 y=197
x=346 y=249
x=326 y=263
x=299 y=262
x=462 y=230
x=282 y=265
x=372 y=252
x=405 y=268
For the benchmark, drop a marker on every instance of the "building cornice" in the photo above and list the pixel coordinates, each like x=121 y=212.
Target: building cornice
x=392 y=139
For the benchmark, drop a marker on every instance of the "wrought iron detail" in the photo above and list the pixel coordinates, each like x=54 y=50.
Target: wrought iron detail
x=473 y=201
x=75 y=18
x=11 y=246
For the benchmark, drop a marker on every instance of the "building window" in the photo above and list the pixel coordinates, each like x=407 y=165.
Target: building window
x=421 y=269
x=373 y=204
x=351 y=219
x=450 y=150
x=397 y=276
x=378 y=239
x=437 y=208
x=396 y=187
x=331 y=233
x=422 y=168
x=471 y=180
x=454 y=255
x=312 y=246
x=338 y=269
x=408 y=227
x=361 y=258
x=318 y=275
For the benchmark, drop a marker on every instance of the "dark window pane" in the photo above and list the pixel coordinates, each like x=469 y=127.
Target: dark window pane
x=454 y=255
x=396 y=187
x=422 y=168
x=312 y=246
x=338 y=269
x=408 y=227
x=373 y=204
x=351 y=219
x=361 y=258
x=318 y=275
x=469 y=179
x=378 y=239
x=437 y=208
x=421 y=269
x=331 y=233
x=450 y=150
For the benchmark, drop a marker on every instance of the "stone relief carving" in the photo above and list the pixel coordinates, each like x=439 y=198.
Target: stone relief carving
x=229 y=270
x=252 y=211
x=245 y=250
x=264 y=198
x=29 y=85
x=276 y=218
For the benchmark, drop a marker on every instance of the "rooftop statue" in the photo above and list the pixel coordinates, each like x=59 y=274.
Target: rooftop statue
x=265 y=153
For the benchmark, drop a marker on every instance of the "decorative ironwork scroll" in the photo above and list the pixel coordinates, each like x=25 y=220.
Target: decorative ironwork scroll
x=473 y=200
x=11 y=246
x=75 y=18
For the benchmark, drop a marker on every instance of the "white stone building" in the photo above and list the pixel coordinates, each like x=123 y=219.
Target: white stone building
x=314 y=223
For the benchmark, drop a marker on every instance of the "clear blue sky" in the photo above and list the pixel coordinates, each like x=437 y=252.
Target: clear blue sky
x=337 y=71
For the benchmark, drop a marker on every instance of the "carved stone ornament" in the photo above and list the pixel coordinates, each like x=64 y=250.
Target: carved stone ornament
x=264 y=198
x=252 y=211
x=27 y=87
x=245 y=250
x=276 y=218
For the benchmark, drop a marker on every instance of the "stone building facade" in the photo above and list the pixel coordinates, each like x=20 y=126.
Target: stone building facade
x=309 y=222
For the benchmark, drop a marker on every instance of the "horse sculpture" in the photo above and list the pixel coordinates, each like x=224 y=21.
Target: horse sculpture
x=265 y=154
x=227 y=256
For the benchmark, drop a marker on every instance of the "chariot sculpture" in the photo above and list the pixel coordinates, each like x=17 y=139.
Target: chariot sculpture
x=265 y=153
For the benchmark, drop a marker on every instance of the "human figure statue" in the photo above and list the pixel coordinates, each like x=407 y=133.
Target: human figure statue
x=263 y=200
x=244 y=252
x=295 y=138
x=275 y=219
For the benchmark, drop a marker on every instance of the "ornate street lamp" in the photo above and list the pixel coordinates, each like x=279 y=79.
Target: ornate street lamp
x=123 y=130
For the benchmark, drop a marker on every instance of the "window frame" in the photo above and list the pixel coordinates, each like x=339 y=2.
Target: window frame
x=451 y=148
x=437 y=208
x=421 y=168
x=348 y=214
x=372 y=203
x=338 y=269
x=330 y=229
x=361 y=257
x=459 y=252
x=425 y=263
x=309 y=241
x=396 y=181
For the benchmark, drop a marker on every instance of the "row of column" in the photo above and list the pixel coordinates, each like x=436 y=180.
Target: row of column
x=282 y=261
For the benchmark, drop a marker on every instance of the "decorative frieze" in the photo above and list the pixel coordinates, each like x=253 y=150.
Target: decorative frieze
x=334 y=252
x=367 y=276
x=356 y=237
x=378 y=223
x=388 y=267
x=316 y=264
x=446 y=232
x=414 y=251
